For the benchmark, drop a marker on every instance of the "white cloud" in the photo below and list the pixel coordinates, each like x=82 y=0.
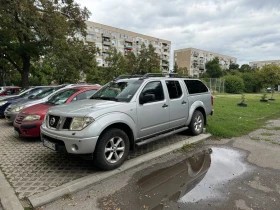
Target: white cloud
x=246 y=29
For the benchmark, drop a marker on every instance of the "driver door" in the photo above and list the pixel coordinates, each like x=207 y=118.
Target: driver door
x=153 y=115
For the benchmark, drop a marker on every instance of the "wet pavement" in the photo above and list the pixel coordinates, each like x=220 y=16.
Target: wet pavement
x=238 y=173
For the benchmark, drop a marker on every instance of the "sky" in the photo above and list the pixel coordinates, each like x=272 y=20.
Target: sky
x=246 y=29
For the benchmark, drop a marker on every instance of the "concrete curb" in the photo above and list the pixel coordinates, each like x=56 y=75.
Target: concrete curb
x=82 y=183
x=8 y=198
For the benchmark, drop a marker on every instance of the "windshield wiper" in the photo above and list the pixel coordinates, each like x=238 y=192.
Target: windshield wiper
x=106 y=98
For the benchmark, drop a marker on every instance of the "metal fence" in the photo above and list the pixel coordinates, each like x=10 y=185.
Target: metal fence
x=215 y=84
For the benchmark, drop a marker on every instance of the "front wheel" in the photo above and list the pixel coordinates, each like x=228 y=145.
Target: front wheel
x=197 y=123
x=111 y=149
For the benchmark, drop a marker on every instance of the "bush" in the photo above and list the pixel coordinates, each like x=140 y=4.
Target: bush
x=251 y=83
x=234 y=84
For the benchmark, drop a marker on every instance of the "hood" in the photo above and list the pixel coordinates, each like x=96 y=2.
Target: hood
x=84 y=107
x=27 y=102
x=9 y=98
x=40 y=109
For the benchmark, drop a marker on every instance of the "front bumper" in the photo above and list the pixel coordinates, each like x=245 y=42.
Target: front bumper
x=69 y=144
x=30 y=129
x=10 y=116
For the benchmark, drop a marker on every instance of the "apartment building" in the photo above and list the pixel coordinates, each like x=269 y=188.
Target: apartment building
x=106 y=36
x=260 y=64
x=195 y=60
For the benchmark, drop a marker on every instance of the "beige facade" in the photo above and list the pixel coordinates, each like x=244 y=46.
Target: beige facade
x=105 y=36
x=260 y=64
x=195 y=60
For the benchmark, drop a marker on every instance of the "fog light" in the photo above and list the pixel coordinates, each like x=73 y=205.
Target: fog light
x=74 y=147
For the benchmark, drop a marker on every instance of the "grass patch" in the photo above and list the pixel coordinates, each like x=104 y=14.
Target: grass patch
x=190 y=147
x=230 y=120
x=256 y=138
x=67 y=196
x=28 y=208
x=267 y=134
x=267 y=140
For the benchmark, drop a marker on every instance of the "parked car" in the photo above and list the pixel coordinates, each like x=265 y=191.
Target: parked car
x=29 y=120
x=13 y=109
x=28 y=94
x=125 y=113
x=9 y=91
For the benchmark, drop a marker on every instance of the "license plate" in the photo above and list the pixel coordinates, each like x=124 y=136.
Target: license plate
x=49 y=144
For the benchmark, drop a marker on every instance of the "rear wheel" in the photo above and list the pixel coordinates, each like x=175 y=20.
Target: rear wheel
x=197 y=123
x=111 y=149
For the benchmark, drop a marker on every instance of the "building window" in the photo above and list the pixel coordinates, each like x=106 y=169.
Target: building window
x=96 y=30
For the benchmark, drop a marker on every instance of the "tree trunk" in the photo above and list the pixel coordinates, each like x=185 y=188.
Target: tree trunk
x=25 y=73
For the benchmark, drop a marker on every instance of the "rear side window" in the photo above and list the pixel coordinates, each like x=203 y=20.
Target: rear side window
x=90 y=93
x=195 y=86
x=174 y=89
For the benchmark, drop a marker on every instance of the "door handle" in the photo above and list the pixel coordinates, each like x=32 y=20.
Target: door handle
x=184 y=102
x=164 y=105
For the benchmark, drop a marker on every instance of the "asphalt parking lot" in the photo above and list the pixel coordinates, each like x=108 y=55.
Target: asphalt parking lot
x=31 y=168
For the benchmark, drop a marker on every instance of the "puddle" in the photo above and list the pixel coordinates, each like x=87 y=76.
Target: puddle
x=198 y=177
x=226 y=165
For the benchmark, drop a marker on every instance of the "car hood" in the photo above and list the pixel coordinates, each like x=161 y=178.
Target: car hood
x=40 y=109
x=28 y=102
x=84 y=107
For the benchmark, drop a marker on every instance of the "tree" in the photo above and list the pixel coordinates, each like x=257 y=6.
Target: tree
x=245 y=68
x=70 y=61
x=213 y=68
x=29 y=29
x=175 y=68
x=148 y=61
x=233 y=66
x=183 y=71
x=270 y=76
x=131 y=62
x=116 y=61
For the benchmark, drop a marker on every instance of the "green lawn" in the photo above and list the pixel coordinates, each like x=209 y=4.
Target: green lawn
x=230 y=120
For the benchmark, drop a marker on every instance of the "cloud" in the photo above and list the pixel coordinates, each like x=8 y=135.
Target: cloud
x=246 y=29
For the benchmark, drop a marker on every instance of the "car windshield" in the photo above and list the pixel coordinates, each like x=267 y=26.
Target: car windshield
x=61 y=97
x=122 y=91
x=44 y=93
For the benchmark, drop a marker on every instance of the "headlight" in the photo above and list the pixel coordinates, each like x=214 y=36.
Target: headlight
x=3 y=102
x=32 y=118
x=79 y=123
x=17 y=109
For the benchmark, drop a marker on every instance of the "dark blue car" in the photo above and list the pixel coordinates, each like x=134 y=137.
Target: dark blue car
x=4 y=103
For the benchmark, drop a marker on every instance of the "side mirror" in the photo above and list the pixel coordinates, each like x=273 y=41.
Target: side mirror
x=146 y=98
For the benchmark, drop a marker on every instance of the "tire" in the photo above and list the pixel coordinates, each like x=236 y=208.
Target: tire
x=197 y=123
x=117 y=144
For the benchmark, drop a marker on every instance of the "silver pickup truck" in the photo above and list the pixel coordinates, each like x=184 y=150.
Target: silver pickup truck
x=127 y=112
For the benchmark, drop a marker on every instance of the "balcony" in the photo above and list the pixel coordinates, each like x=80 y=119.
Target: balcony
x=165 y=64
x=165 y=47
x=107 y=35
x=165 y=58
x=128 y=47
x=128 y=42
x=104 y=50
x=106 y=42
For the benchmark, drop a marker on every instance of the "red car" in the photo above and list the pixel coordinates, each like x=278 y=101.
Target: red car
x=10 y=91
x=29 y=120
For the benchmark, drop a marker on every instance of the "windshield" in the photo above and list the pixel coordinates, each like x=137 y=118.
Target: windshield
x=122 y=91
x=61 y=97
x=44 y=93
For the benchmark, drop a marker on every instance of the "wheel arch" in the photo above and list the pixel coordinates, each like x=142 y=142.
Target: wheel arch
x=124 y=127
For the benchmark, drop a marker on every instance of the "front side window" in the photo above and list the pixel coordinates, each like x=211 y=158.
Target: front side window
x=195 y=86
x=61 y=97
x=154 y=91
x=174 y=89
x=122 y=91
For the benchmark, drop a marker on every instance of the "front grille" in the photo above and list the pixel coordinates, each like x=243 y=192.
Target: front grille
x=67 y=123
x=19 y=118
x=53 y=121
